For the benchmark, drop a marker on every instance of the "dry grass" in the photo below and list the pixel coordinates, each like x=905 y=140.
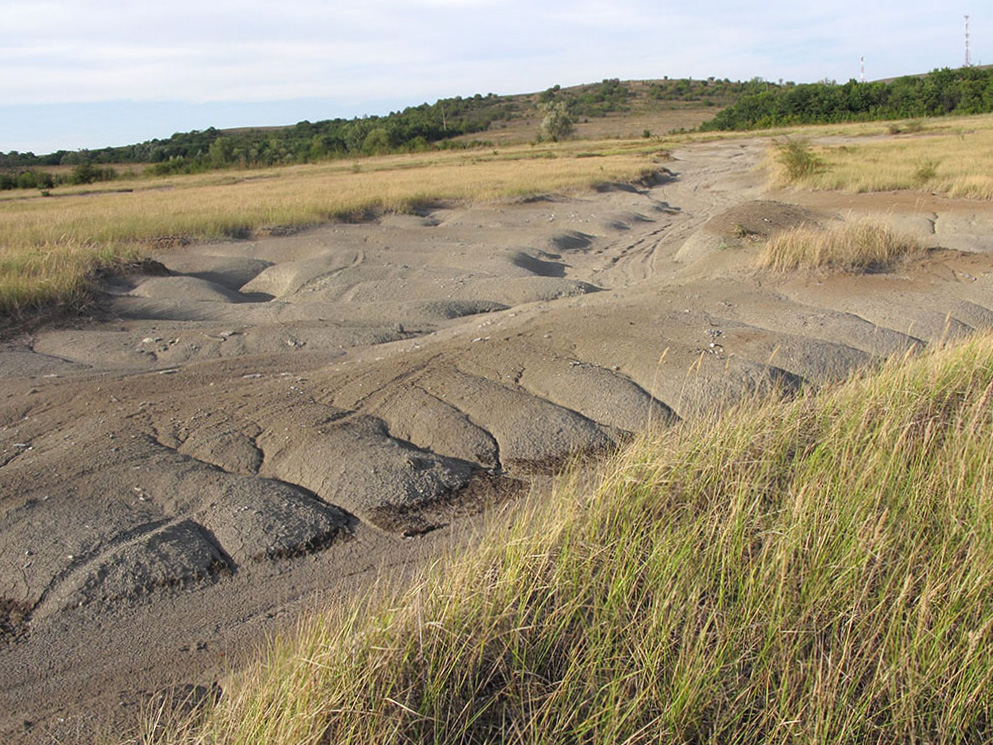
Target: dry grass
x=50 y=246
x=953 y=157
x=816 y=571
x=859 y=246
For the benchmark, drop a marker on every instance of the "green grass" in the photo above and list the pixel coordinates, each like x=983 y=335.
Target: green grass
x=816 y=571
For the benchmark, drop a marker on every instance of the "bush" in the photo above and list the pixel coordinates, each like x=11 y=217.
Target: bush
x=927 y=169
x=87 y=173
x=557 y=124
x=377 y=142
x=798 y=159
x=27 y=180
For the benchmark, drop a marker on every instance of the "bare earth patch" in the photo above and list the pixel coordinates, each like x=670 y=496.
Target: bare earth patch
x=276 y=423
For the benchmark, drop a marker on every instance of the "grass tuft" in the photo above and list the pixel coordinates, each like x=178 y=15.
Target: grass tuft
x=55 y=274
x=815 y=571
x=857 y=246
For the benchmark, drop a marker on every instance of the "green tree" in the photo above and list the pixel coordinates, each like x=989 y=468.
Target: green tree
x=377 y=142
x=221 y=152
x=557 y=124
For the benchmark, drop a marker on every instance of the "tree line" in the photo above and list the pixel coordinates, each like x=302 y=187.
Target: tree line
x=752 y=104
x=966 y=90
x=414 y=128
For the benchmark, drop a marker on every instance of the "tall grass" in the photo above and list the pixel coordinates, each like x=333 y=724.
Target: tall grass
x=60 y=274
x=816 y=571
x=857 y=246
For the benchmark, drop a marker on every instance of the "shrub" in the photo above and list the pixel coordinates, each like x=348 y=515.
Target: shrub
x=27 y=180
x=87 y=173
x=927 y=169
x=377 y=142
x=557 y=124
x=797 y=159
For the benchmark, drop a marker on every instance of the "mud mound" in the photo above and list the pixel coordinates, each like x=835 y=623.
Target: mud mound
x=572 y=240
x=175 y=554
x=539 y=266
x=188 y=289
x=232 y=272
x=743 y=225
x=280 y=280
x=357 y=463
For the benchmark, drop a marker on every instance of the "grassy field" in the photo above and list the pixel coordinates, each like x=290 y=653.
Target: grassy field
x=951 y=156
x=51 y=245
x=814 y=571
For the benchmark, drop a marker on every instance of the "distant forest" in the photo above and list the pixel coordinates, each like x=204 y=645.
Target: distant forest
x=753 y=104
x=966 y=90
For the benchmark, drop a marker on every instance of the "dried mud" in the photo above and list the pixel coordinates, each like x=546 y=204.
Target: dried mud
x=257 y=426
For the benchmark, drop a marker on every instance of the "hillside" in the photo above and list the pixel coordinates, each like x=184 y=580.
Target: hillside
x=445 y=121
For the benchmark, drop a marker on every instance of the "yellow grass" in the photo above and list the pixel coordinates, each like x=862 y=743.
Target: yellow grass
x=953 y=157
x=48 y=246
x=854 y=246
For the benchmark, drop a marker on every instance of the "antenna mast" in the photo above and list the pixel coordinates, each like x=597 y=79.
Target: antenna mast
x=862 y=74
x=968 y=59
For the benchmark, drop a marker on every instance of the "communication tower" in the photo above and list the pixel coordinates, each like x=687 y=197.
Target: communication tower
x=862 y=72
x=968 y=59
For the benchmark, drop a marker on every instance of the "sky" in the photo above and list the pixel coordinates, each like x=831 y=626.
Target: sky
x=92 y=73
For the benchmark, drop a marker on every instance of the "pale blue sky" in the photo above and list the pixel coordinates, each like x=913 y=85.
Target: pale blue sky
x=91 y=73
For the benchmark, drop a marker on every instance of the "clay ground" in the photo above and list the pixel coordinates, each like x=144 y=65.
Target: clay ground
x=254 y=427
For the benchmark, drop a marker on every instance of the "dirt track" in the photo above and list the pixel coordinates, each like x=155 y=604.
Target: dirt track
x=263 y=422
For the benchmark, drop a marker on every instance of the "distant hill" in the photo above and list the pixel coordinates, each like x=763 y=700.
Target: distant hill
x=609 y=108
x=451 y=122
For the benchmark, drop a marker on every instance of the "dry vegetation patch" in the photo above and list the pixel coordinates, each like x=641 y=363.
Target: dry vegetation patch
x=952 y=157
x=859 y=246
